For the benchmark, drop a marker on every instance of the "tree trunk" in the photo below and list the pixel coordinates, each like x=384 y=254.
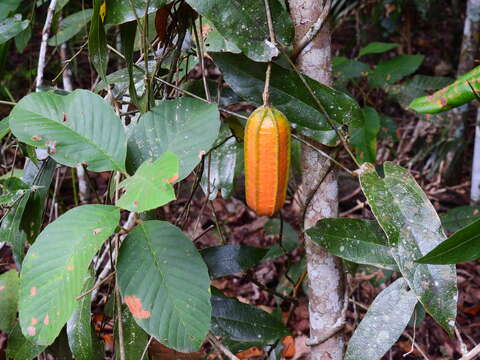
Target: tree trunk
x=325 y=274
x=470 y=45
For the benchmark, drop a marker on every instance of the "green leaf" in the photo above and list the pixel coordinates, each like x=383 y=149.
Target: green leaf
x=231 y=259
x=97 y=42
x=40 y=176
x=11 y=232
x=227 y=96
x=413 y=226
x=127 y=35
x=349 y=69
x=215 y=42
x=12 y=189
x=288 y=93
x=8 y=299
x=289 y=238
x=462 y=246
x=454 y=95
x=71 y=26
x=245 y=24
x=151 y=185
x=364 y=139
x=165 y=284
x=219 y=171
x=121 y=11
x=185 y=126
x=360 y=241
x=241 y=322
x=20 y=347
x=82 y=340
x=391 y=71
x=77 y=128
x=383 y=324
x=377 y=48
x=134 y=338
x=11 y=27
x=459 y=217
x=54 y=269
x=4 y=127
x=8 y=6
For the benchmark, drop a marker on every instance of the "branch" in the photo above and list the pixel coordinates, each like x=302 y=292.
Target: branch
x=43 y=45
x=472 y=353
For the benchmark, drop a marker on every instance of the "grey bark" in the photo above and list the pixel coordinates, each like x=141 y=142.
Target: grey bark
x=459 y=116
x=325 y=274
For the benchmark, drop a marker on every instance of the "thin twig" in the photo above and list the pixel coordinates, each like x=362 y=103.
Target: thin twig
x=43 y=45
x=472 y=353
x=221 y=347
x=314 y=29
x=96 y=286
x=271 y=33
x=146 y=347
x=11 y=103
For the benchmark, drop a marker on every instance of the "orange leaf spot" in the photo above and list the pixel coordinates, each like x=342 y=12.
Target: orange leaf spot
x=2 y=287
x=46 y=320
x=251 y=352
x=135 y=306
x=31 y=331
x=172 y=179
x=135 y=203
x=70 y=267
x=33 y=291
x=34 y=321
x=96 y=231
x=36 y=138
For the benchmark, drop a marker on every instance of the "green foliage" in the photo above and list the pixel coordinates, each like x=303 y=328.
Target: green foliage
x=47 y=302
x=391 y=71
x=356 y=240
x=383 y=324
x=8 y=300
x=185 y=126
x=11 y=27
x=413 y=227
x=151 y=185
x=364 y=139
x=122 y=11
x=97 y=42
x=462 y=246
x=459 y=217
x=77 y=128
x=245 y=25
x=7 y=7
x=231 y=259
x=71 y=26
x=377 y=48
x=165 y=284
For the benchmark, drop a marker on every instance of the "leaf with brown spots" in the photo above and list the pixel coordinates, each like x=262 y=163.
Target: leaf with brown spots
x=151 y=186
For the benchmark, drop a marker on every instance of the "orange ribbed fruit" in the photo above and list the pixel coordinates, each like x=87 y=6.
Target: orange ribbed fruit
x=267 y=160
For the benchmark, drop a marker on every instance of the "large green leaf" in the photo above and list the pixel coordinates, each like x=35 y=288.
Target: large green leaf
x=389 y=72
x=77 y=128
x=241 y=322
x=187 y=127
x=97 y=41
x=230 y=259
x=4 y=127
x=377 y=48
x=360 y=241
x=55 y=266
x=71 y=26
x=349 y=69
x=82 y=340
x=8 y=299
x=121 y=11
x=289 y=238
x=383 y=324
x=245 y=24
x=459 y=217
x=151 y=186
x=413 y=226
x=288 y=93
x=462 y=246
x=165 y=284
x=11 y=27
x=219 y=171
x=21 y=348
x=7 y=6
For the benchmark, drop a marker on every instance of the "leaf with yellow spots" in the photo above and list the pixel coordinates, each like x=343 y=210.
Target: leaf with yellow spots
x=462 y=91
x=103 y=11
x=63 y=250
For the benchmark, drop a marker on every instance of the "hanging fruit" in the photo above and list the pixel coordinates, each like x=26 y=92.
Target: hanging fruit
x=267 y=160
